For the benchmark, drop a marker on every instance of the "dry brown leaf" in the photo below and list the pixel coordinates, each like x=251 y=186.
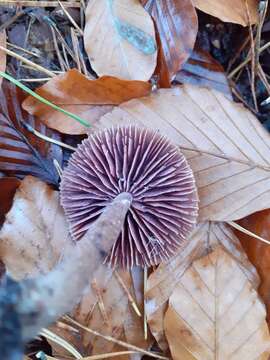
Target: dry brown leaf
x=257 y=251
x=214 y=313
x=226 y=146
x=230 y=10
x=3 y=56
x=35 y=231
x=8 y=186
x=162 y=281
x=106 y=309
x=177 y=25
x=119 y=39
x=83 y=97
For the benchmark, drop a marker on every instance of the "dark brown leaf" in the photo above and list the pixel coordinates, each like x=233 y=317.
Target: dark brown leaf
x=22 y=153
x=257 y=251
x=177 y=24
x=203 y=70
x=8 y=186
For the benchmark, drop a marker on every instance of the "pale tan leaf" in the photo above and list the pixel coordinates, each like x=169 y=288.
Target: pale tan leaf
x=226 y=146
x=214 y=313
x=35 y=231
x=3 y=56
x=161 y=283
x=230 y=10
x=107 y=310
x=119 y=39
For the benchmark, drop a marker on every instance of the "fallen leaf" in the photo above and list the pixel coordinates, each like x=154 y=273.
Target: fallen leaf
x=225 y=145
x=8 y=186
x=106 y=309
x=86 y=98
x=203 y=70
x=177 y=25
x=35 y=231
x=257 y=251
x=119 y=39
x=230 y=10
x=3 y=56
x=214 y=313
x=21 y=152
x=162 y=282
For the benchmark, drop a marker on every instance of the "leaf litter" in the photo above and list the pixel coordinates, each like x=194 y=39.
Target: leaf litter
x=226 y=147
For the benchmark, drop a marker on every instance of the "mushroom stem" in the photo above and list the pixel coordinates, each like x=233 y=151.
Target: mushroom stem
x=44 y=299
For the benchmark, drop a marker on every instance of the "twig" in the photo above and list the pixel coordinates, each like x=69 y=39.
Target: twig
x=130 y=298
x=73 y=22
x=46 y=138
x=61 y=342
x=28 y=62
x=247 y=232
x=245 y=62
x=33 y=3
x=22 y=49
x=144 y=303
x=119 y=342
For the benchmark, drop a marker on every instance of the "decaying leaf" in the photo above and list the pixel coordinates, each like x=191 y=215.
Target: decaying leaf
x=226 y=146
x=214 y=313
x=257 y=251
x=89 y=99
x=35 y=231
x=230 y=10
x=22 y=153
x=119 y=39
x=3 y=56
x=8 y=186
x=107 y=310
x=177 y=25
x=203 y=70
x=162 y=282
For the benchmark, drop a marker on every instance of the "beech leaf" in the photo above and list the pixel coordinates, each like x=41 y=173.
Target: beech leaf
x=35 y=231
x=21 y=152
x=214 y=313
x=177 y=25
x=230 y=10
x=257 y=251
x=161 y=283
x=119 y=39
x=8 y=186
x=86 y=98
x=225 y=145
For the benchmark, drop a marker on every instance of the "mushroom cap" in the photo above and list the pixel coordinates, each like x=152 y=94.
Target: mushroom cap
x=147 y=165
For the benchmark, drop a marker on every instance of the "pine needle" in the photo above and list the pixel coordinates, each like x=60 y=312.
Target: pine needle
x=42 y=99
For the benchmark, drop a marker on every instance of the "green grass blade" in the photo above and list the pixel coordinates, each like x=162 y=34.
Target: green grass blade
x=42 y=99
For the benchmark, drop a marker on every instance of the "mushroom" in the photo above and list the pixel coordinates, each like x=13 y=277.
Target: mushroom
x=146 y=165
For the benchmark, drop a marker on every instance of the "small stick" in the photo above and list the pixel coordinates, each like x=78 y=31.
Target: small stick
x=58 y=168
x=144 y=303
x=247 y=232
x=73 y=22
x=33 y=3
x=22 y=49
x=46 y=138
x=28 y=62
x=130 y=298
x=119 y=342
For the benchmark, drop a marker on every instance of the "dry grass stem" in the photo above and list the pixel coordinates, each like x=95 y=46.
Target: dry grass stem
x=130 y=298
x=144 y=303
x=22 y=49
x=73 y=22
x=119 y=342
x=61 y=342
x=33 y=3
x=28 y=62
x=247 y=232
x=46 y=138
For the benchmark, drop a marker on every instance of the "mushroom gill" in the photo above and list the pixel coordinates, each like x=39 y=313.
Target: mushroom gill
x=146 y=165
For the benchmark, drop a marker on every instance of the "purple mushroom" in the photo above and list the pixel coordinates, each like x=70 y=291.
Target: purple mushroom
x=153 y=171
